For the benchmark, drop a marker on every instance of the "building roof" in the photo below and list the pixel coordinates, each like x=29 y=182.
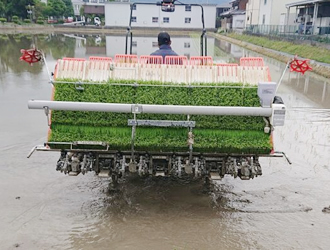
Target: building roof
x=305 y=2
x=223 y=5
x=232 y=13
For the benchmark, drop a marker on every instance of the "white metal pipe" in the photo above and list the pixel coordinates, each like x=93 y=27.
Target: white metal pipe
x=81 y=106
x=151 y=109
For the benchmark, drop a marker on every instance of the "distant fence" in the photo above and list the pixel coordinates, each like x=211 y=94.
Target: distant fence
x=292 y=32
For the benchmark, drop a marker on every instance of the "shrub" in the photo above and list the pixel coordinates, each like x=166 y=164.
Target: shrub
x=3 y=20
x=15 y=19
x=39 y=21
x=27 y=21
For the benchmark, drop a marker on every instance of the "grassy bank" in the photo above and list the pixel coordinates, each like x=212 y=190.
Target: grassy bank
x=275 y=49
x=303 y=50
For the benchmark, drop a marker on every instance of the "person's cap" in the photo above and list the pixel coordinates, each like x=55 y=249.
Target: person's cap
x=163 y=38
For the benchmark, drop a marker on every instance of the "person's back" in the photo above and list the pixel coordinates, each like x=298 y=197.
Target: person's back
x=164 y=43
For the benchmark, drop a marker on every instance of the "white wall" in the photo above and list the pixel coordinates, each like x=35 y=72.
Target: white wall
x=185 y=46
x=252 y=11
x=117 y=15
x=292 y=18
x=265 y=12
x=273 y=10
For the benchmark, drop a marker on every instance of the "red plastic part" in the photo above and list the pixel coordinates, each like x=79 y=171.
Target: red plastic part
x=252 y=61
x=268 y=74
x=201 y=60
x=126 y=59
x=31 y=55
x=73 y=59
x=176 y=60
x=69 y=63
x=151 y=59
x=100 y=58
x=300 y=66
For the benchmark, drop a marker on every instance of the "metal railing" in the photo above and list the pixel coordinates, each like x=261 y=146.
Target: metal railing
x=291 y=32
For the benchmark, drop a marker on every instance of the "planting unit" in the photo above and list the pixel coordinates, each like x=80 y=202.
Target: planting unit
x=161 y=117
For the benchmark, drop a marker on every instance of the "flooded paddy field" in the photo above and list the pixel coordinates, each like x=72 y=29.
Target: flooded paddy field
x=41 y=208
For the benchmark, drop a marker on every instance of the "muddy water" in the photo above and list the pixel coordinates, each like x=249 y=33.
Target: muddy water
x=43 y=209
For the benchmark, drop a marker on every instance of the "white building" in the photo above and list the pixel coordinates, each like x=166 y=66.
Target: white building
x=273 y=12
x=252 y=12
x=150 y=16
x=312 y=15
x=77 y=5
x=234 y=18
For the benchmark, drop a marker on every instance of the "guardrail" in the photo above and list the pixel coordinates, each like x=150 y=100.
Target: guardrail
x=291 y=32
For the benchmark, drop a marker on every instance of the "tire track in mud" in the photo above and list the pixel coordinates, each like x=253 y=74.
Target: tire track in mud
x=267 y=201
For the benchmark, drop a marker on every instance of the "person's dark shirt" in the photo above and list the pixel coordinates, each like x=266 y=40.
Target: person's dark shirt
x=164 y=50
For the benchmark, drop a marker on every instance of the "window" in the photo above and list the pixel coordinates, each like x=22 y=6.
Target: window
x=187 y=45
x=166 y=19
x=187 y=20
x=134 y=43
x=154 y=44
x=93 y=1
x=263 y=19
x=133 y=19
x=155 y=19
x=101 y=1
x=265 y=2
x=188 y=7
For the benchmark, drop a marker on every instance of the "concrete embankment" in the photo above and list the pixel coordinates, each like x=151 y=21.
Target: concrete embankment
x=319 y=68
x=10 y=28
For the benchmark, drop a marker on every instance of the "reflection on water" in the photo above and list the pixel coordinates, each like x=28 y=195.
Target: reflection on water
x=159 y=214
x=57 y=46
x=314 y=87
x=279 y=210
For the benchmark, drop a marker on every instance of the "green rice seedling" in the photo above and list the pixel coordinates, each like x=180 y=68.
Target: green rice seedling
x=223 y=134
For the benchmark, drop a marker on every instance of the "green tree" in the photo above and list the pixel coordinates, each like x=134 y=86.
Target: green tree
x=40 y=9
x=17 y=7
x=55 y=8
x=82 y=10
x=2 y=8
x=9 y=8
x=69 y=8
